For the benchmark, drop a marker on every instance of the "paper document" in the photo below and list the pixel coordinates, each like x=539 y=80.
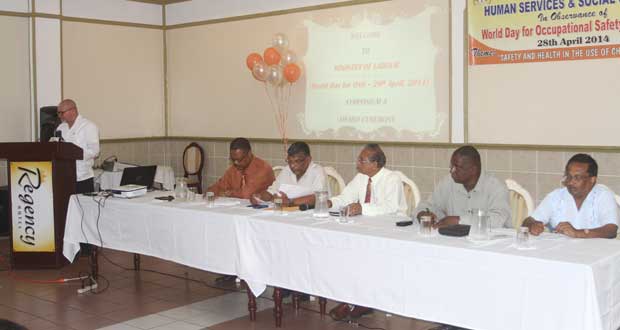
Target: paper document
x=226 y=201
x=294 y=191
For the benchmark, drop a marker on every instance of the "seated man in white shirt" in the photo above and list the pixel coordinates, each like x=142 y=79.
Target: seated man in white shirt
x=301 y=171
x=582 y=209
x=467 y=188
x=375 y=190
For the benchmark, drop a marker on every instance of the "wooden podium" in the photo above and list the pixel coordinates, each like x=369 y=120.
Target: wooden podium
x=41 y=178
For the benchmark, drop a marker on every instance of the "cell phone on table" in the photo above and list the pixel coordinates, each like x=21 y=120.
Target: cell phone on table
x=258 y=206
x=404 y=223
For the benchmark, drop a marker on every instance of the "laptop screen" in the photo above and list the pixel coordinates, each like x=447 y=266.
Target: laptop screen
x=140 y=175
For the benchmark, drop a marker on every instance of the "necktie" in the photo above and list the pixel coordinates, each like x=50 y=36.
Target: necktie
x=367 y=198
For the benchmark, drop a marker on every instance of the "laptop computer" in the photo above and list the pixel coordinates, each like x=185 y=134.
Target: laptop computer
x=139 y=175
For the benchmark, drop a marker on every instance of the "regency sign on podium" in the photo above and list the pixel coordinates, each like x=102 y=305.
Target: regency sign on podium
x=41 y=180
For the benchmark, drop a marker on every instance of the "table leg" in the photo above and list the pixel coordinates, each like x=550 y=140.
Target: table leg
x=277 y=311
x=94 y=262
x=136 y=262
x=251 y=302
x=322 y=303
x=296 y=301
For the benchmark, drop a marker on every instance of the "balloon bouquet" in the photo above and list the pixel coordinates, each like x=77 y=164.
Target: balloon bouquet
x=277 y=69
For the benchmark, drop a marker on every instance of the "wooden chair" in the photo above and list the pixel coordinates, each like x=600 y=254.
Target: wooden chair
x=193 y=162
x=521 y=203
x=412 y=193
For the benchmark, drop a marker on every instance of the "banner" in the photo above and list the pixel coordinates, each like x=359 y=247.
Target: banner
x=32 y=206
x=505 y=31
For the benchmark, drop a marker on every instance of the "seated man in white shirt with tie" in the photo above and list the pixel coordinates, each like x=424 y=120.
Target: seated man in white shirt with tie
x=375 y=190
x=582 y=209
x=301 y=171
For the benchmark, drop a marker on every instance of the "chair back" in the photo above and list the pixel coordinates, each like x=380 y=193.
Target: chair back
x=193 y=163
x=521 y=203
x=277 y=170
x=335 y=182
x=412 y=193
x=617 y=198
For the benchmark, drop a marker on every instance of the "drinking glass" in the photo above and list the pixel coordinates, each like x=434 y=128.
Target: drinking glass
x=343 y=216
x=479 y=224
x=523 y=237
x=320 y=204
x=180 y=189
x=191 y=193
x=426 y=225
x=277 y=205
x=210 y=197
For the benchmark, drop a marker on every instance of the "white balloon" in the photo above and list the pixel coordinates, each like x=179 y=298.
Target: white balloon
x=274 y=75
x=260 y=71
x=288 y=57
x=280 y=41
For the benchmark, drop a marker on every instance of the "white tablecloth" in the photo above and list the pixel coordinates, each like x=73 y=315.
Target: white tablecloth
x=561 y=284
x=112 y=179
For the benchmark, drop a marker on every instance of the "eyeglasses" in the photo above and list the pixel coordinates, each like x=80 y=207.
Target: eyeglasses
x=296 y=162
x=364 y=160
x=578 y=178
x=60 y=113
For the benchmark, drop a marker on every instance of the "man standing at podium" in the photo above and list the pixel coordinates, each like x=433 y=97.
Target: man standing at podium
x=84 y=134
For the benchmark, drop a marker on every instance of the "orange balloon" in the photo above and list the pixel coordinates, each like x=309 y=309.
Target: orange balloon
x=271 y=56
x=292 y=72
x=252 y=59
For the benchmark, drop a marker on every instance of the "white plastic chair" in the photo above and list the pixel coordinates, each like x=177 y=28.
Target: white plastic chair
x=617 y=198
x=521 y=203
x=277 y=170
x=412 y=193
x=335 y=182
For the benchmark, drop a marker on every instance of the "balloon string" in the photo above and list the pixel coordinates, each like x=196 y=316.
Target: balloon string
x=279 y=98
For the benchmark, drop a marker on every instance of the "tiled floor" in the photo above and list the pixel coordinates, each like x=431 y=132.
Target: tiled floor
x=148 y=300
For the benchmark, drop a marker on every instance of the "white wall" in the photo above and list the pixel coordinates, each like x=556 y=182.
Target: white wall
x=47 y=30
x=47 y=6
x=114 y=10
x=20 y=6
x=48 y=76
x=202 y=10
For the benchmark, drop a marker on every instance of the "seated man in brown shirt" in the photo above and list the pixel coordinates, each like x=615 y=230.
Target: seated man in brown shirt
x=247 y=175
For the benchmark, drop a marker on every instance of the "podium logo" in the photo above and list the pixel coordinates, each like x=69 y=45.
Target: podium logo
x=29 y=181
x=32 y=207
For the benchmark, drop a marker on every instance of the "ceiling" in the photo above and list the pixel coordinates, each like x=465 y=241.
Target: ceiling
x=160 y=2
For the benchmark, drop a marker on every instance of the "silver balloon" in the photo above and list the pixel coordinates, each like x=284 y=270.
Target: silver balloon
x=280 y=41
x=288 y=57
x=260 y=71
x=274 y=75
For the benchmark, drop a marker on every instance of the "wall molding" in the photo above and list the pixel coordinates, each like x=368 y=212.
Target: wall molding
x=273 y=13
x=80 y=19
x=406 y=144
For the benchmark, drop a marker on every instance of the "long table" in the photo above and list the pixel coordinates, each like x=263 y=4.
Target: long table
x=561 y=283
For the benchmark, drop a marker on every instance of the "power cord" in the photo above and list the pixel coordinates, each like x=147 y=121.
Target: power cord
x=101 y=204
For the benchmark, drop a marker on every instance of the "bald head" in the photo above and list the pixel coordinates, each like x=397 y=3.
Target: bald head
x=67 y=111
